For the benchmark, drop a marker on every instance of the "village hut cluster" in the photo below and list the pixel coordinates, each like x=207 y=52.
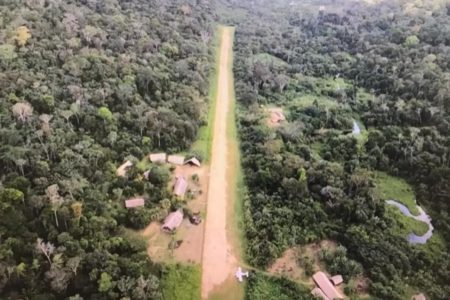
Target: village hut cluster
x=326 y=287
x=173 y=159
x=174 y=219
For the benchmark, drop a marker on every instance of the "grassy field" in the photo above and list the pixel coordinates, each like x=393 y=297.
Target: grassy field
x=205 y=133
x=309 y=100
x=406 y=225
x=181 y=282
x=394 y=188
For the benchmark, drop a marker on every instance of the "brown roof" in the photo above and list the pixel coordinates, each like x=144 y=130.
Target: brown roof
x=136 y=202
x=419 y=297
x=180 y=187
x=173 y=220
x=176 y=159
x=337 y=279
x=326 y=286
x=193 y=161
x=318 y=293
x=157 y=157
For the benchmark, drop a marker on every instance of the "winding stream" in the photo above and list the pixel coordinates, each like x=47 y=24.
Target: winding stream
x=422 y=217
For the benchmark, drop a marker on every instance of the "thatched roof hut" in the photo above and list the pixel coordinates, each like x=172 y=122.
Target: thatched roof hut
x=136 y=202
x=180 y=186
x=173 y=221
x=122 y=170
x=337 y=279
x=158 y=157
x=193 y=162
x=326 y=286
x=176 y=159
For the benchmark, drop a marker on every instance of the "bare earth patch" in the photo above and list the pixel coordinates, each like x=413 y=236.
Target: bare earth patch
x=288 y=264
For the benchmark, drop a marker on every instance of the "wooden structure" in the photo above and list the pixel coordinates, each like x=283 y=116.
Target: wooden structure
x=158 y=157
x=135 y=202
x=193 y=162
x=180 y=186
x=173 y=221
x=323 y=283
x=176 y=160
x=337 y=280
x=122 y=170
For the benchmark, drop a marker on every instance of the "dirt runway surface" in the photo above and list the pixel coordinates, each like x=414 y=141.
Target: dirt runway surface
x=218 y=261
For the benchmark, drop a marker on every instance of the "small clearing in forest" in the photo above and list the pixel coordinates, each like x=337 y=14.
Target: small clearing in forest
x=275 y=116
x=295 y=261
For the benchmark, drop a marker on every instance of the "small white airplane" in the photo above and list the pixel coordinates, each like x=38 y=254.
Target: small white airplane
x=240 y=275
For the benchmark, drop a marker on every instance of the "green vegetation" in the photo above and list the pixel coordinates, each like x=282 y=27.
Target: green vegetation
x=267 y=58
x=181 y=282
x=405 y=225
x=395 y=188
x=311 y=100
x=263 y=287
x=205 y=133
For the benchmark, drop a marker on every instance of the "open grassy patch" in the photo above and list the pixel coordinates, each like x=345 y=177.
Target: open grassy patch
x=205 y=133
x=435 y=245
x=181 y=282
x=405 y=225
x=395 y=188
x=312 y=100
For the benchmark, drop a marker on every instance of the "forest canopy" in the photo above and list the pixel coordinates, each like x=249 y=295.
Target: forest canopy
x=328 y=65
x=85 y=86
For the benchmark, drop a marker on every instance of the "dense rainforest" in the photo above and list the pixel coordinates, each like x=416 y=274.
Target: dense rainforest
x=330 y=65
x=84 y=86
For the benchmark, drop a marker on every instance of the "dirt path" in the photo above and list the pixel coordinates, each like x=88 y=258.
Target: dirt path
x=219 y=261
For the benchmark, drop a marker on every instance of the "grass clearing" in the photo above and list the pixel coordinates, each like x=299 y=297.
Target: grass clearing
x=395 y=188
x=181 y=282
x=311 y=100
x=405 y=225
x=205 y=133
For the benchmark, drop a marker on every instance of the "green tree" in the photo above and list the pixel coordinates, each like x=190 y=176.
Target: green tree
x=105 y=283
